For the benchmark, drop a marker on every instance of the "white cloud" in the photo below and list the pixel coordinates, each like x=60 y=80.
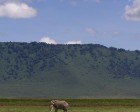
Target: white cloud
x=110 y=33
x=91 y=31
x=133 y=12
x=16 y=10
x=74 y=2
x=74 y=42
x=96 y=1
x=115 y=33
x=48 y=40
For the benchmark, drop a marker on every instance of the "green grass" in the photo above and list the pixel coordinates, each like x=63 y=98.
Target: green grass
x=104 y=102
x=23 y=109
x=72 y=109
x=76 y=105
x=23 y=102
x=72 y=102
x=107 y=109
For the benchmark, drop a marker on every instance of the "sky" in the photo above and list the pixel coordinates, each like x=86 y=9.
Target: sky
x=112 y=23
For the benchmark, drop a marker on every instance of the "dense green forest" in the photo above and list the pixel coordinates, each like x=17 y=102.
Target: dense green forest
x=90 y=70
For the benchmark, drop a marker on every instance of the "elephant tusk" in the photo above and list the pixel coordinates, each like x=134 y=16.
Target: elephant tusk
x=52 y=102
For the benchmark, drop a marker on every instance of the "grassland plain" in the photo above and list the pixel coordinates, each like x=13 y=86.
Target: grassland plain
x=73 y=109
x=76 y=105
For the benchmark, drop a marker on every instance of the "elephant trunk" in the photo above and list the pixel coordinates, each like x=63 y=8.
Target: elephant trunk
x=51 y=108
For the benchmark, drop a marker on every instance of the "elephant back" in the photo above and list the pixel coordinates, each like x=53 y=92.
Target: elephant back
x=61 y=104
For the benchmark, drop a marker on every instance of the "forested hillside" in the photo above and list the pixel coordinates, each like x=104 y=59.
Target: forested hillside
x=44 y=70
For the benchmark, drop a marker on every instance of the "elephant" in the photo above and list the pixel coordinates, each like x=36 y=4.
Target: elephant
x=59 y=104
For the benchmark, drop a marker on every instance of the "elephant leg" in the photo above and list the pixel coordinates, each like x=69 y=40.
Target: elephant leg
x=65 y=110
x=56 y=109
